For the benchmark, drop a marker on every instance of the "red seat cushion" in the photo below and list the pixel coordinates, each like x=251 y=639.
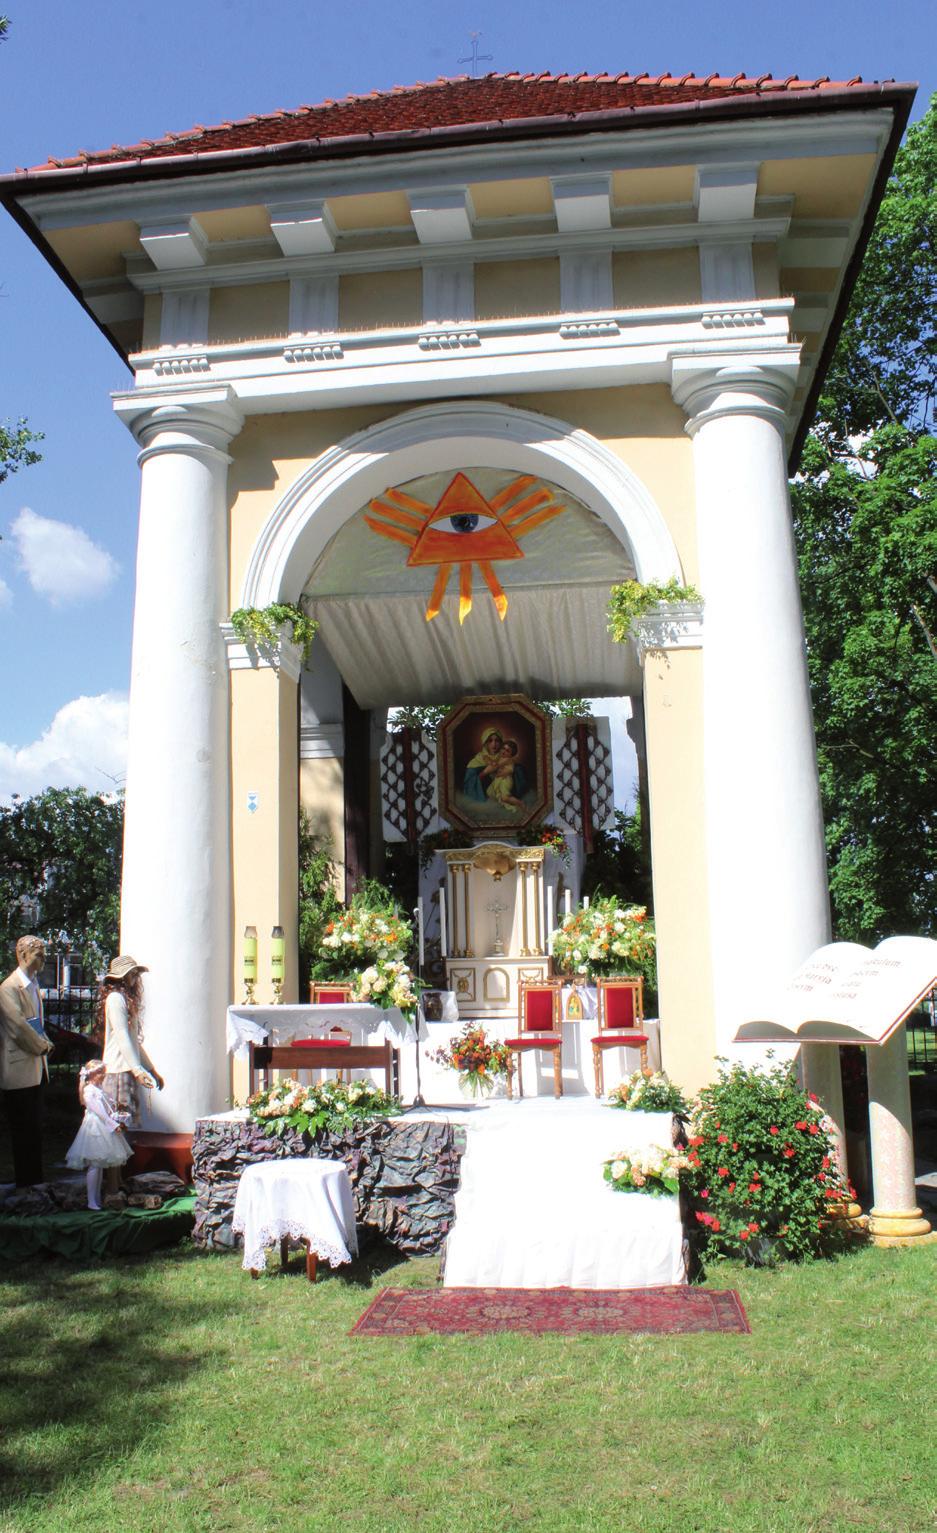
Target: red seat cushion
x=538 y=1010
x=535 y=1041
x=332 y=998
x=619 y=1006
x=321 y=1043
x=618 y=1040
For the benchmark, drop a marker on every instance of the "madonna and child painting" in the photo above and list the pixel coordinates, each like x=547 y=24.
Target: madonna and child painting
x=494 y=756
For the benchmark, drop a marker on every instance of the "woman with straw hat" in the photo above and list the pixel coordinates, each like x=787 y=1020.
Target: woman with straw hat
x=120 y=1003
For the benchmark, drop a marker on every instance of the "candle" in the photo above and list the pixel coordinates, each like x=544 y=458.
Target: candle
x=443 y=944
x=250 y=955
x=419 y=927
x=585 y=902
x=568 y=900
x=550 y=896
x=277 y=954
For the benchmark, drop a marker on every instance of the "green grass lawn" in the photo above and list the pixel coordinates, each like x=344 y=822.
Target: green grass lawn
x=172 y=1393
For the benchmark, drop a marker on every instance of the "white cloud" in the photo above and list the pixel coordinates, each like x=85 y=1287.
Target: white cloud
x=85 y=746
x=6 y=595
x=60 y=560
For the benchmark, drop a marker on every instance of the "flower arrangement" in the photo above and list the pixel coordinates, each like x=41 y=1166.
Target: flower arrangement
x=370 y=929
x=654 y=1170
x=388 y=982
x=606 y=938
x=649 y=1091
x=479 y=1060
x=762 y=1174
x=331 y=1104
x=549 y=836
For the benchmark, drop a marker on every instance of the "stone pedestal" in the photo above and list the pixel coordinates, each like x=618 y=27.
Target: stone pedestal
x=895 y=1217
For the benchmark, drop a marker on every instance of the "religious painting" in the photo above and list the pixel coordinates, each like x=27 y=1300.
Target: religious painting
x=463 y=530
x=494 y=755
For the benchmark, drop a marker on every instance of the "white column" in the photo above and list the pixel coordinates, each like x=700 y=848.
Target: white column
x=895 y=1216
x=766 y=862
x=176 y=896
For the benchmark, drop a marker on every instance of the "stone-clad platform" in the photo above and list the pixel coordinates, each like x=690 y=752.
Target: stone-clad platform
x=404 y=1174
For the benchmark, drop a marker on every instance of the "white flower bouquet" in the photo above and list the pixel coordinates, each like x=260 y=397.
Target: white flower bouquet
x=606 y=938
x=655 y=1170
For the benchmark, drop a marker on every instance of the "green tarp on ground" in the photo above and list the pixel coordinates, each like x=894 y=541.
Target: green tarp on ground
x=84 y=1235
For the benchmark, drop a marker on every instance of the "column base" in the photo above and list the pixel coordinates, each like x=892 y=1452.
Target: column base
x=899 y=1227
x=848 y=1213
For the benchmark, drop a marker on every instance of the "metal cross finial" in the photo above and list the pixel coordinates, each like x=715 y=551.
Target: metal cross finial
x=476 y=58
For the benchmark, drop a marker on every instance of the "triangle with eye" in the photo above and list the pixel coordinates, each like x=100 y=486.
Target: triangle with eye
x=482 y=537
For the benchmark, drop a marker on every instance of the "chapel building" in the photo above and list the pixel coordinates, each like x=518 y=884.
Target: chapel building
x=618 y=294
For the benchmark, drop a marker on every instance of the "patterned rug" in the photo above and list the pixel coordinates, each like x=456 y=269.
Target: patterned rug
x=570 y=1311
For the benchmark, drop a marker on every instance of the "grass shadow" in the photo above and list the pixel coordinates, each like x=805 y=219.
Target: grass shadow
x=102 y=1353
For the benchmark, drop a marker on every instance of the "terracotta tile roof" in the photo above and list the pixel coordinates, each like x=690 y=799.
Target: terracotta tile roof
x=491 y=101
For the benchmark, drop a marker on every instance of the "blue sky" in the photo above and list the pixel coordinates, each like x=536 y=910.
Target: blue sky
x=84 y=77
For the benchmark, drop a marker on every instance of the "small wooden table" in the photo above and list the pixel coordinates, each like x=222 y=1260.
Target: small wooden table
x=266 y=1057
x=309 y=1200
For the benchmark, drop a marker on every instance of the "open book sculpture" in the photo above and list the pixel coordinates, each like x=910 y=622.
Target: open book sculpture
x=846 y=993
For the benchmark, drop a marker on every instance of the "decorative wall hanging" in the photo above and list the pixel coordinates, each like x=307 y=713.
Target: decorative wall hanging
x=463 y=529
x=408 y=785
x=494 y=764
x=585 y=797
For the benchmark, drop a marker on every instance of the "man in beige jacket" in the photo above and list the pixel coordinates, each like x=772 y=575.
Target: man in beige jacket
x=23 y=1050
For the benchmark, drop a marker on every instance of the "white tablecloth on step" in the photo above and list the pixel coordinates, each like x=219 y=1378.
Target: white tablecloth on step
x=281 y=1024
x=533 y=1210
x=304 y=1199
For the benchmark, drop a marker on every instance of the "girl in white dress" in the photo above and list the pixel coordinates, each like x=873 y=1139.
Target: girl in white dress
x=99 y=1142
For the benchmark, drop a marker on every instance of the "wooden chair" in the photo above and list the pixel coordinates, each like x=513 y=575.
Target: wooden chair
x=336 y=1037
x=538 y=1006
x=620 y=1014
x=331 y=994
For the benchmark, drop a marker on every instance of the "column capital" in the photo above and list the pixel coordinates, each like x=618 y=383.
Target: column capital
x=671 y=625
x=759 y=384
x=284 y=657
x=194 y=421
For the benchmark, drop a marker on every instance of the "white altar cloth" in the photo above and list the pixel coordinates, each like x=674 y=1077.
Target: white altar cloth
x=281 y=1024
x=304 y=1199
x=533 y=1210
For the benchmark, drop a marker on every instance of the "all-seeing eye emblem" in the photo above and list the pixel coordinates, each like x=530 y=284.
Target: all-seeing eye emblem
x=464 y=529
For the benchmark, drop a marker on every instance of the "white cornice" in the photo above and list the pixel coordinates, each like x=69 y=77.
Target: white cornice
x=672 y=625
x=703 y=143
x=503 y=247
x=556 y=351
x=284 y=657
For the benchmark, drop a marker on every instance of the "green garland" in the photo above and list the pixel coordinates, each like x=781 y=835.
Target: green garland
x=631 y=601
x=261 y=625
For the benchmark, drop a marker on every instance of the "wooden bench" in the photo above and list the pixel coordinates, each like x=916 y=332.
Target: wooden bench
x=267 y=1057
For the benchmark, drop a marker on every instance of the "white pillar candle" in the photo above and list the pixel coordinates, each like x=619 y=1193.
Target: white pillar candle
x=419 y=928
x=551 y=894
x=568 y=901
x=443 y=944
x=585 y=902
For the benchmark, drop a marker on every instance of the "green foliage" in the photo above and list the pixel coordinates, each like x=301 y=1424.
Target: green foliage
x=328 y=1105
x=631 y=601
x=762 y=1172
x=318 y=899
x=62 y=850
x=617 y=864
x=649 y=1091
x=566 y=708
x=261 y=626
x=865 y=515
x=429 y=718
x=16 y=450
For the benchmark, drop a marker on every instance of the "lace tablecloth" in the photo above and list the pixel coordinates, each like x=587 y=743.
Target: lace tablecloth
x=281 y=1024
x=304 y=1199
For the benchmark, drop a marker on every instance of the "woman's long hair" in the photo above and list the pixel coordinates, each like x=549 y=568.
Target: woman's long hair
x=129 y=989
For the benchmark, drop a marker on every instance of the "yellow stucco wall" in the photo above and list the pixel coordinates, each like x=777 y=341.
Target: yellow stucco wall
x=249 y=313
x=644 y=279
x=380 y=300
x=510 y=289
x=322 y=798
x=673 y=709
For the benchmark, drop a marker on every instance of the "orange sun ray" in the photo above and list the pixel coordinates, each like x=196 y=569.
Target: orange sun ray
x=495 y=587
x=409 y=502
x=387 y=531
x=439 y=590
x=396 y=515
x=465 y=591
x=536 y=519
x=529 y=503
x=510 y=490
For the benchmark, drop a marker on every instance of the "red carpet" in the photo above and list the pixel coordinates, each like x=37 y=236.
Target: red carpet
x=570 y=1311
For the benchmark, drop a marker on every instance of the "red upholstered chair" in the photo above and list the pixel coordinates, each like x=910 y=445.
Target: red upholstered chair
x=329 y=995
x=621 y=1013
x=336 y=1037
x=538 y=1007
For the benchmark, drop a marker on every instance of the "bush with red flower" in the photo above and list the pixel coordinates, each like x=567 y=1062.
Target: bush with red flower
x=762 y=1178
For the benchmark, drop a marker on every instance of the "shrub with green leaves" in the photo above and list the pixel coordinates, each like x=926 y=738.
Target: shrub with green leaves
x=762 y=1173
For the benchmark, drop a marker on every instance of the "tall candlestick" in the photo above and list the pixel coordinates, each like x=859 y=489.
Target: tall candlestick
x=419 y=928
x=550 y=907
x=585 y=902
x=443 y=944
x=277 y=962
x=568 y=902
x=250 y=963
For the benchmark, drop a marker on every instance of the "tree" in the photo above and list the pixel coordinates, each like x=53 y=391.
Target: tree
x=865 y=516
x=60 y=861
x=16 y=449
